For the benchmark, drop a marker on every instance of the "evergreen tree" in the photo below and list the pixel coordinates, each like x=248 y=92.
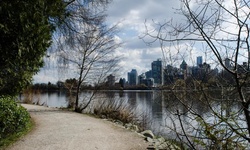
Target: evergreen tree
x=26 y=29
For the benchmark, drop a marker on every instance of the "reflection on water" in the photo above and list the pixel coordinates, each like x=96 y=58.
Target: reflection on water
x=147 y=102
x=51 y=99
x=157 y=106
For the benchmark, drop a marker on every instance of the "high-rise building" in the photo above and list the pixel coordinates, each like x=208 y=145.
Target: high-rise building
x=183 y=65
x=157 y=71
x=111 y=80
x=199 y=61
x=228 y=63
x=148 y=74
x=122 y=82
x=141 y=78
x=185 y=70
x=133 y=77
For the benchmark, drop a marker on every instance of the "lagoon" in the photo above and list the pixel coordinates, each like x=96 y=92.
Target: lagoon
x=157 y=107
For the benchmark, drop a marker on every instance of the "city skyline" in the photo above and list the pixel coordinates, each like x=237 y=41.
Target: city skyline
x=159 y=73
x=132 y=16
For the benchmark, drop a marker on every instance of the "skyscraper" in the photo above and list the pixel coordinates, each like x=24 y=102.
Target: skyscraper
x=183 y=65
x=148 y=74
x=111 y=80
x=157 y=71
x=228 y=63
x=133 y=77
x=199 y=61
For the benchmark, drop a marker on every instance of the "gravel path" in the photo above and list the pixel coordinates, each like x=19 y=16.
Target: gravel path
x=63 y=130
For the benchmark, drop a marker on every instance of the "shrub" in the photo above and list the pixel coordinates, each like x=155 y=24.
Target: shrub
x=31 y=95
x=13 y=117
x=115 y=109
x=28 y=95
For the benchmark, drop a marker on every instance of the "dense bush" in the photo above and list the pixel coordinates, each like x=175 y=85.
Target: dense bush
x=13 y=117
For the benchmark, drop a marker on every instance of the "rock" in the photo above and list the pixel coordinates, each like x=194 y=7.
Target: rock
x=164 y=146
x=157 y=143
x=118 y=122
x=161 y=139
x=141 y=135
x=128 y=125
x=134 y=128
x=167 y=146
x=148 y=133
x=149 y=140
x=151 y=147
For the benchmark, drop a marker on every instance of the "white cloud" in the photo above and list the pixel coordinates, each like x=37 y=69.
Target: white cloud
x=131 y=16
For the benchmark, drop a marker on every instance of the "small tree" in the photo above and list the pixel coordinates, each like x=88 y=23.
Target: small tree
x=222 y=29
x=89 y=49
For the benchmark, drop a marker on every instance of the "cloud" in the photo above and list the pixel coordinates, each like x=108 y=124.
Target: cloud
x=141 y=10
x=46 y=75
x=131 y=16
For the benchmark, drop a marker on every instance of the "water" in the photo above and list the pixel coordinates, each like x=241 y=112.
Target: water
x=159 y=108
x=51 y=99
x=148 y=103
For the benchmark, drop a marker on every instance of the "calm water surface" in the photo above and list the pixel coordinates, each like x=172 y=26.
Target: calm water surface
x=157 y=107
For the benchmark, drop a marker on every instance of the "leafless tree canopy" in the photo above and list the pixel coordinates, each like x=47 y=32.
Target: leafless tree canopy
x=86 y=45
x=221 y=30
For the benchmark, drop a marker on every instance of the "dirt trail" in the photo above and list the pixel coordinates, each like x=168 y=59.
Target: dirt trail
x=63 y=130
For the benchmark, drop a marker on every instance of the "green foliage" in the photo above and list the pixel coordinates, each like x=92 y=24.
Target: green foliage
x=13 y=118
x=26 y=29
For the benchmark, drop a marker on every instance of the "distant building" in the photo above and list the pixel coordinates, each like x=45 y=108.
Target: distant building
x=157 y=71
x=171 y=74
x=199 y=61
x=201 y=72
x=195 y=72
x=111 y=80
x=228 y=63
x=133 y=77
x=148 y=82
x=188 y=72
x=168 y=75
x=206 y=67
x=122 y=82
x=215 y=72
x=183 y=65
x=141 y=78
x=244 y=68
x=148 y=74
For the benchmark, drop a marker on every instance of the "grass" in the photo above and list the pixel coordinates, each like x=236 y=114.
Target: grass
x=31 y=96
x=116 y=110
x=120 y=110
x=8 y=141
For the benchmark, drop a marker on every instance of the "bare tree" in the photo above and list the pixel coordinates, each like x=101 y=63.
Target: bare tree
x=87 y=46
x=221 y=29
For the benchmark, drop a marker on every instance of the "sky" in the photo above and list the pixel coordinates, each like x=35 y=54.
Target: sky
x=131 y=16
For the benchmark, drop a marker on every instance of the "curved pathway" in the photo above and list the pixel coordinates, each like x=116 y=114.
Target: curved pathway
x=56 y=129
